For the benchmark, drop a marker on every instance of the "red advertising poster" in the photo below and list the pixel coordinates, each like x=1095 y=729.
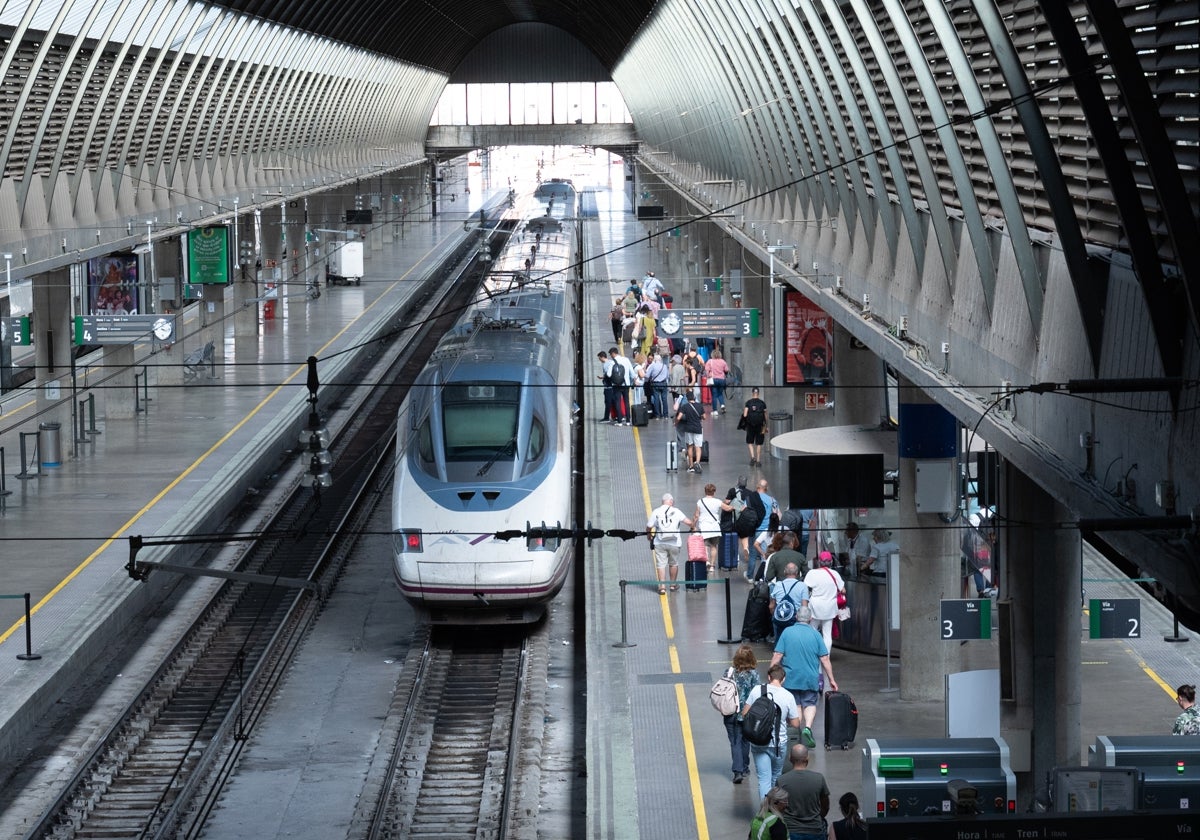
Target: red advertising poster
x=809 y=342
x=112 y=285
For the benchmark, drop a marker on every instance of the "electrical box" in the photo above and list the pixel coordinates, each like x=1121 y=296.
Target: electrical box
x=935 y=490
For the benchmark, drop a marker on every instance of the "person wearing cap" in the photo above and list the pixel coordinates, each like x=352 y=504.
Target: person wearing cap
x=754 y=421
x=663 y=529
x=824 y=584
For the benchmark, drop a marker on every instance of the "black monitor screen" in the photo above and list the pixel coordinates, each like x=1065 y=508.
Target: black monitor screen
x=835 y=481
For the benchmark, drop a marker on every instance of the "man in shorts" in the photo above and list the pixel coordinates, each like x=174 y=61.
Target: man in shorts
x=802 y=652
x=754 y=421
x=663 y=529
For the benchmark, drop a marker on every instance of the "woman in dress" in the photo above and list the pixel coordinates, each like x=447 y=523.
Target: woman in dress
x=824 y=584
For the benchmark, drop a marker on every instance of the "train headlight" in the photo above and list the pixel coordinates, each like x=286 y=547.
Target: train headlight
x=408 y=541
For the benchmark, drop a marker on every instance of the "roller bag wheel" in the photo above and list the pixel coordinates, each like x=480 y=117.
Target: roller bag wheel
x=756 y=623
x=727 y=551
x=841 y=720
x=641 y=414
x=695 y=573
x=672 y=456
x=697 y=550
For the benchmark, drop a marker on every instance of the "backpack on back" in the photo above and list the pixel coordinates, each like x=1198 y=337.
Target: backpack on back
x=760 y=726
x=746 y=522
x=755 y=417
x=785 y=607
x=724 y=694
x=617 y=377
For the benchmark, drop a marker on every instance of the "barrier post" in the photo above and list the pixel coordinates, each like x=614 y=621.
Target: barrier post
x=624 y=643
x=4 y=491
x=24 y=474
x=729 y=639
x=28 y=655
x=81 y=436
x=144 y=404
x=91 y=401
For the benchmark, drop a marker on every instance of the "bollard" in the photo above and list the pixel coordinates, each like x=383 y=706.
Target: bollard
x=24 y=474
x=91 y=401
x=28 y=655
x=624 y=643
x=144 y=405
x=729 y=639
x=4 y=491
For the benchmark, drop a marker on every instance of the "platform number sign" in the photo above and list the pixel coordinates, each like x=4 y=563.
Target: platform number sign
x=1114 y=618
x=968 y=618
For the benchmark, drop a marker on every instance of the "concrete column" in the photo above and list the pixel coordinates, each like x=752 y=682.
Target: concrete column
x=861 y=402
x=1041 y=572
x=929 y=572
x=52 y=344
x=115 y=396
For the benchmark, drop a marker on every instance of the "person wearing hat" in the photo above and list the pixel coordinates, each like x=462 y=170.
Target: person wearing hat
x=754 y=421
x=824 y=584
x=663 y=529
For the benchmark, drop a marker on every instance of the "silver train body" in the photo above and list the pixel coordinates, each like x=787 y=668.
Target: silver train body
x=484 y=437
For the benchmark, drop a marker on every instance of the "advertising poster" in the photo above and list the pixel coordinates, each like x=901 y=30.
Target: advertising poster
x=809 y=342
x=113 y=285
x=208 y=256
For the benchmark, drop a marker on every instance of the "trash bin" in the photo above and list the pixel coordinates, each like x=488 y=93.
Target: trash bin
x=50 y=444
x=781 y=422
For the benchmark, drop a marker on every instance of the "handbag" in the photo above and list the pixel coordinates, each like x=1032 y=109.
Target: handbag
x=843 y=614
x=841 y=596
x=741 y=424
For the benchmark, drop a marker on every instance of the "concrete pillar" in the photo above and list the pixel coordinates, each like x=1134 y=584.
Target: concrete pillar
x=857 y=372
x=1041 y=574
x=929 y=572
x=115 y=395
x=52 y=344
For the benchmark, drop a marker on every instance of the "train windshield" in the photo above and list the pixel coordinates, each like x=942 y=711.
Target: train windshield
x=480 y=420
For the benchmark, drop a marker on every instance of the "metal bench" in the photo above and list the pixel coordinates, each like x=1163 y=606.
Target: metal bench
x=200 y=361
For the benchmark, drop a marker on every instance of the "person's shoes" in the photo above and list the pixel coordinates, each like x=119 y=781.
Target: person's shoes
x=691 y=469
x=737 y=778
x=662 y=590
x=807 y=735
x=674 y=587
x=697 y=469
x=752 y=462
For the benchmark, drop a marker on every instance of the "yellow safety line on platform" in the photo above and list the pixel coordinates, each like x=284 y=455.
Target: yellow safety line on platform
x=685 y=721
x=188 y=471
x=1150 y=672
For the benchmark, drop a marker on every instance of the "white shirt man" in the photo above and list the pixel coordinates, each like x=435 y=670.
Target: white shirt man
x=663 y=529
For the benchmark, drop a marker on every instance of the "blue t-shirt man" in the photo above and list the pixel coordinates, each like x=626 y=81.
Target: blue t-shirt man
x=802 y=652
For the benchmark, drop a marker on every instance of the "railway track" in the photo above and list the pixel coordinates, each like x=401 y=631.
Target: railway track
x=459 y=757
x=160 y=767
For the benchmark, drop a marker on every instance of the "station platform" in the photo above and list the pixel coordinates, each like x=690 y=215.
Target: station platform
x=658 y=759
x=177 y=468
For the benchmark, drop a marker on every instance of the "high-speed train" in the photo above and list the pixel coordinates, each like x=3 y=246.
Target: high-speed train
x=484 y=437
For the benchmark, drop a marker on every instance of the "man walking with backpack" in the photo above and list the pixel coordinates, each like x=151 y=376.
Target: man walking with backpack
x=787 y=595
x=745 y=511
x=754 y=421
x=765 y=725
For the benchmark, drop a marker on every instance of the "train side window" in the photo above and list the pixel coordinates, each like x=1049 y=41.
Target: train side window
x=425 y=441
x=537 y=440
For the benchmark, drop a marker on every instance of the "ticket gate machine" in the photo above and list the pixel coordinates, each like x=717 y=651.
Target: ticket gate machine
x=910 y=777
x=1169 y=764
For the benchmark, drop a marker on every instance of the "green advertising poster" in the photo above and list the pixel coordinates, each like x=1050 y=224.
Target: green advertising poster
x=208 y=255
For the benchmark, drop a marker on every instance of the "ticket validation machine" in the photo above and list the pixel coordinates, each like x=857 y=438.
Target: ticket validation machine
x=1169 y=766
x=929 y=776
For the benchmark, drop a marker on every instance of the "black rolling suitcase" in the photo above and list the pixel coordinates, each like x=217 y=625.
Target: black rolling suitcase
x=727 y=550
x=756 y=624
x=841 y=720
x=704 y=452
x=695 y=570
x=640 y=414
